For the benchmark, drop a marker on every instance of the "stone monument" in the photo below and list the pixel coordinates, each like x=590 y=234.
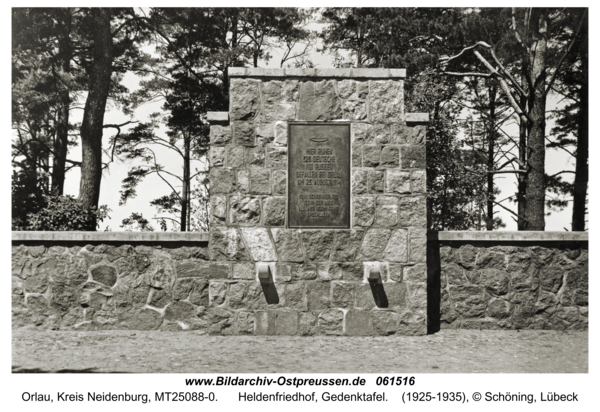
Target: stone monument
x=320 y=175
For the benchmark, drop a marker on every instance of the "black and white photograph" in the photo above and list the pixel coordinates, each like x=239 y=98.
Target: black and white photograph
x=266 y=207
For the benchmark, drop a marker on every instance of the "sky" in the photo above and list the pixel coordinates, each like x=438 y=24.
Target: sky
x=152 y=187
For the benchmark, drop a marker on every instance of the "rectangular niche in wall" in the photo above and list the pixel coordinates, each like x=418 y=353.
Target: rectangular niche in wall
x=319 y=175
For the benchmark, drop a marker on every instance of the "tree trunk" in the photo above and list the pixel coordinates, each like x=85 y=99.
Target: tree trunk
x=536 y=145
x=95 y=105
x=490 y=160
x=581 y=158
x=62 y=122
x=186 y=182
x=521 y=178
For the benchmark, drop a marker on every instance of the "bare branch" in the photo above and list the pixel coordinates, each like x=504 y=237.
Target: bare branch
x=564 y=56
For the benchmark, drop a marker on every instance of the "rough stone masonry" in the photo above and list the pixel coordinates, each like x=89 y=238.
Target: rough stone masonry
x=321 y=275
x=319 y=278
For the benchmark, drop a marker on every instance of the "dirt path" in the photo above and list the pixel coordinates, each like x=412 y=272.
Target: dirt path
x=456 y=351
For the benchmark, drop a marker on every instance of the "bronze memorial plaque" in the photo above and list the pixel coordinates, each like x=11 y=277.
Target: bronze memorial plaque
x=319 y=175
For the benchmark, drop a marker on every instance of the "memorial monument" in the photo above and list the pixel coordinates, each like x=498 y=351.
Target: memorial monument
x=319 y=176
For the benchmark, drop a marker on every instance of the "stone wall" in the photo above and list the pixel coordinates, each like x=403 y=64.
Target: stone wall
x=514 y=280
x=320 y=276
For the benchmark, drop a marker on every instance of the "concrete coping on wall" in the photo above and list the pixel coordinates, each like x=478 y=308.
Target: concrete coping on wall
x=511 y=236
x=122 y=237
x=329 y=73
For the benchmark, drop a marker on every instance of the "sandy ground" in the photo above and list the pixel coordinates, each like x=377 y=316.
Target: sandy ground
x=453 y=351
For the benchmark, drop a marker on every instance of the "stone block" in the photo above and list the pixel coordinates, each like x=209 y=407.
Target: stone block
x=243 y=181
x=288 y=244
x=304 y=272
x=244 y=99
x=259 y=181
x=390 y=157
x=318 y=295
x=418 y=245
x=244 y=133
x=491 y=260
x=397 y=181
x=259 y=243
x=236 y=295
x=217 y=291
x=281 y=133
x=327 y=271
x=417 y=295
x=346 y=88
x=295 y=296
x=358 y=323
x=265 y=322
x=265 y=133
x=371 y=155
x=359 y=133
x=221 y=321
x=182 y=289
x=352 y=271
x=413 y=157
x=412 y=211
x=244 y=323
x=364 y=211
x=244 y=210
x=200 y=293
x=243 y=270
x=282 y=272
x=179 y=311
x=318 y=101
x=359 y=182
x=276 y=157
x=357 y=156
x=376 y=180
x=222 y=181
x=307 y=323
x=364 y=297
x=355 y=109
x=498 y=308
x=63 y=297
x=235 y=156
x=417 y=134
x=331 y=322
x=218 y=210
x=69 y=270
x=279 y=182
x=217 y=117
x=255 y=156
x=342 y=295
x=274 y=211
x=412 y=323
x=346 y=244
x=217 y=156
x=317 y=244
x=220 y=134
x=384 y=322
x=397 y=295
x=386 y=212
x=386 y=101
x=415 y=273
x=469 y=301
x=280 y=111
x=286 y=323
x=395 y=272
x=226 y=244
x=495 y=281
x=418 y=181
x=373 y=244
x=38 y=282
x=144 y=319
x=396 y=250
x=291 y=90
